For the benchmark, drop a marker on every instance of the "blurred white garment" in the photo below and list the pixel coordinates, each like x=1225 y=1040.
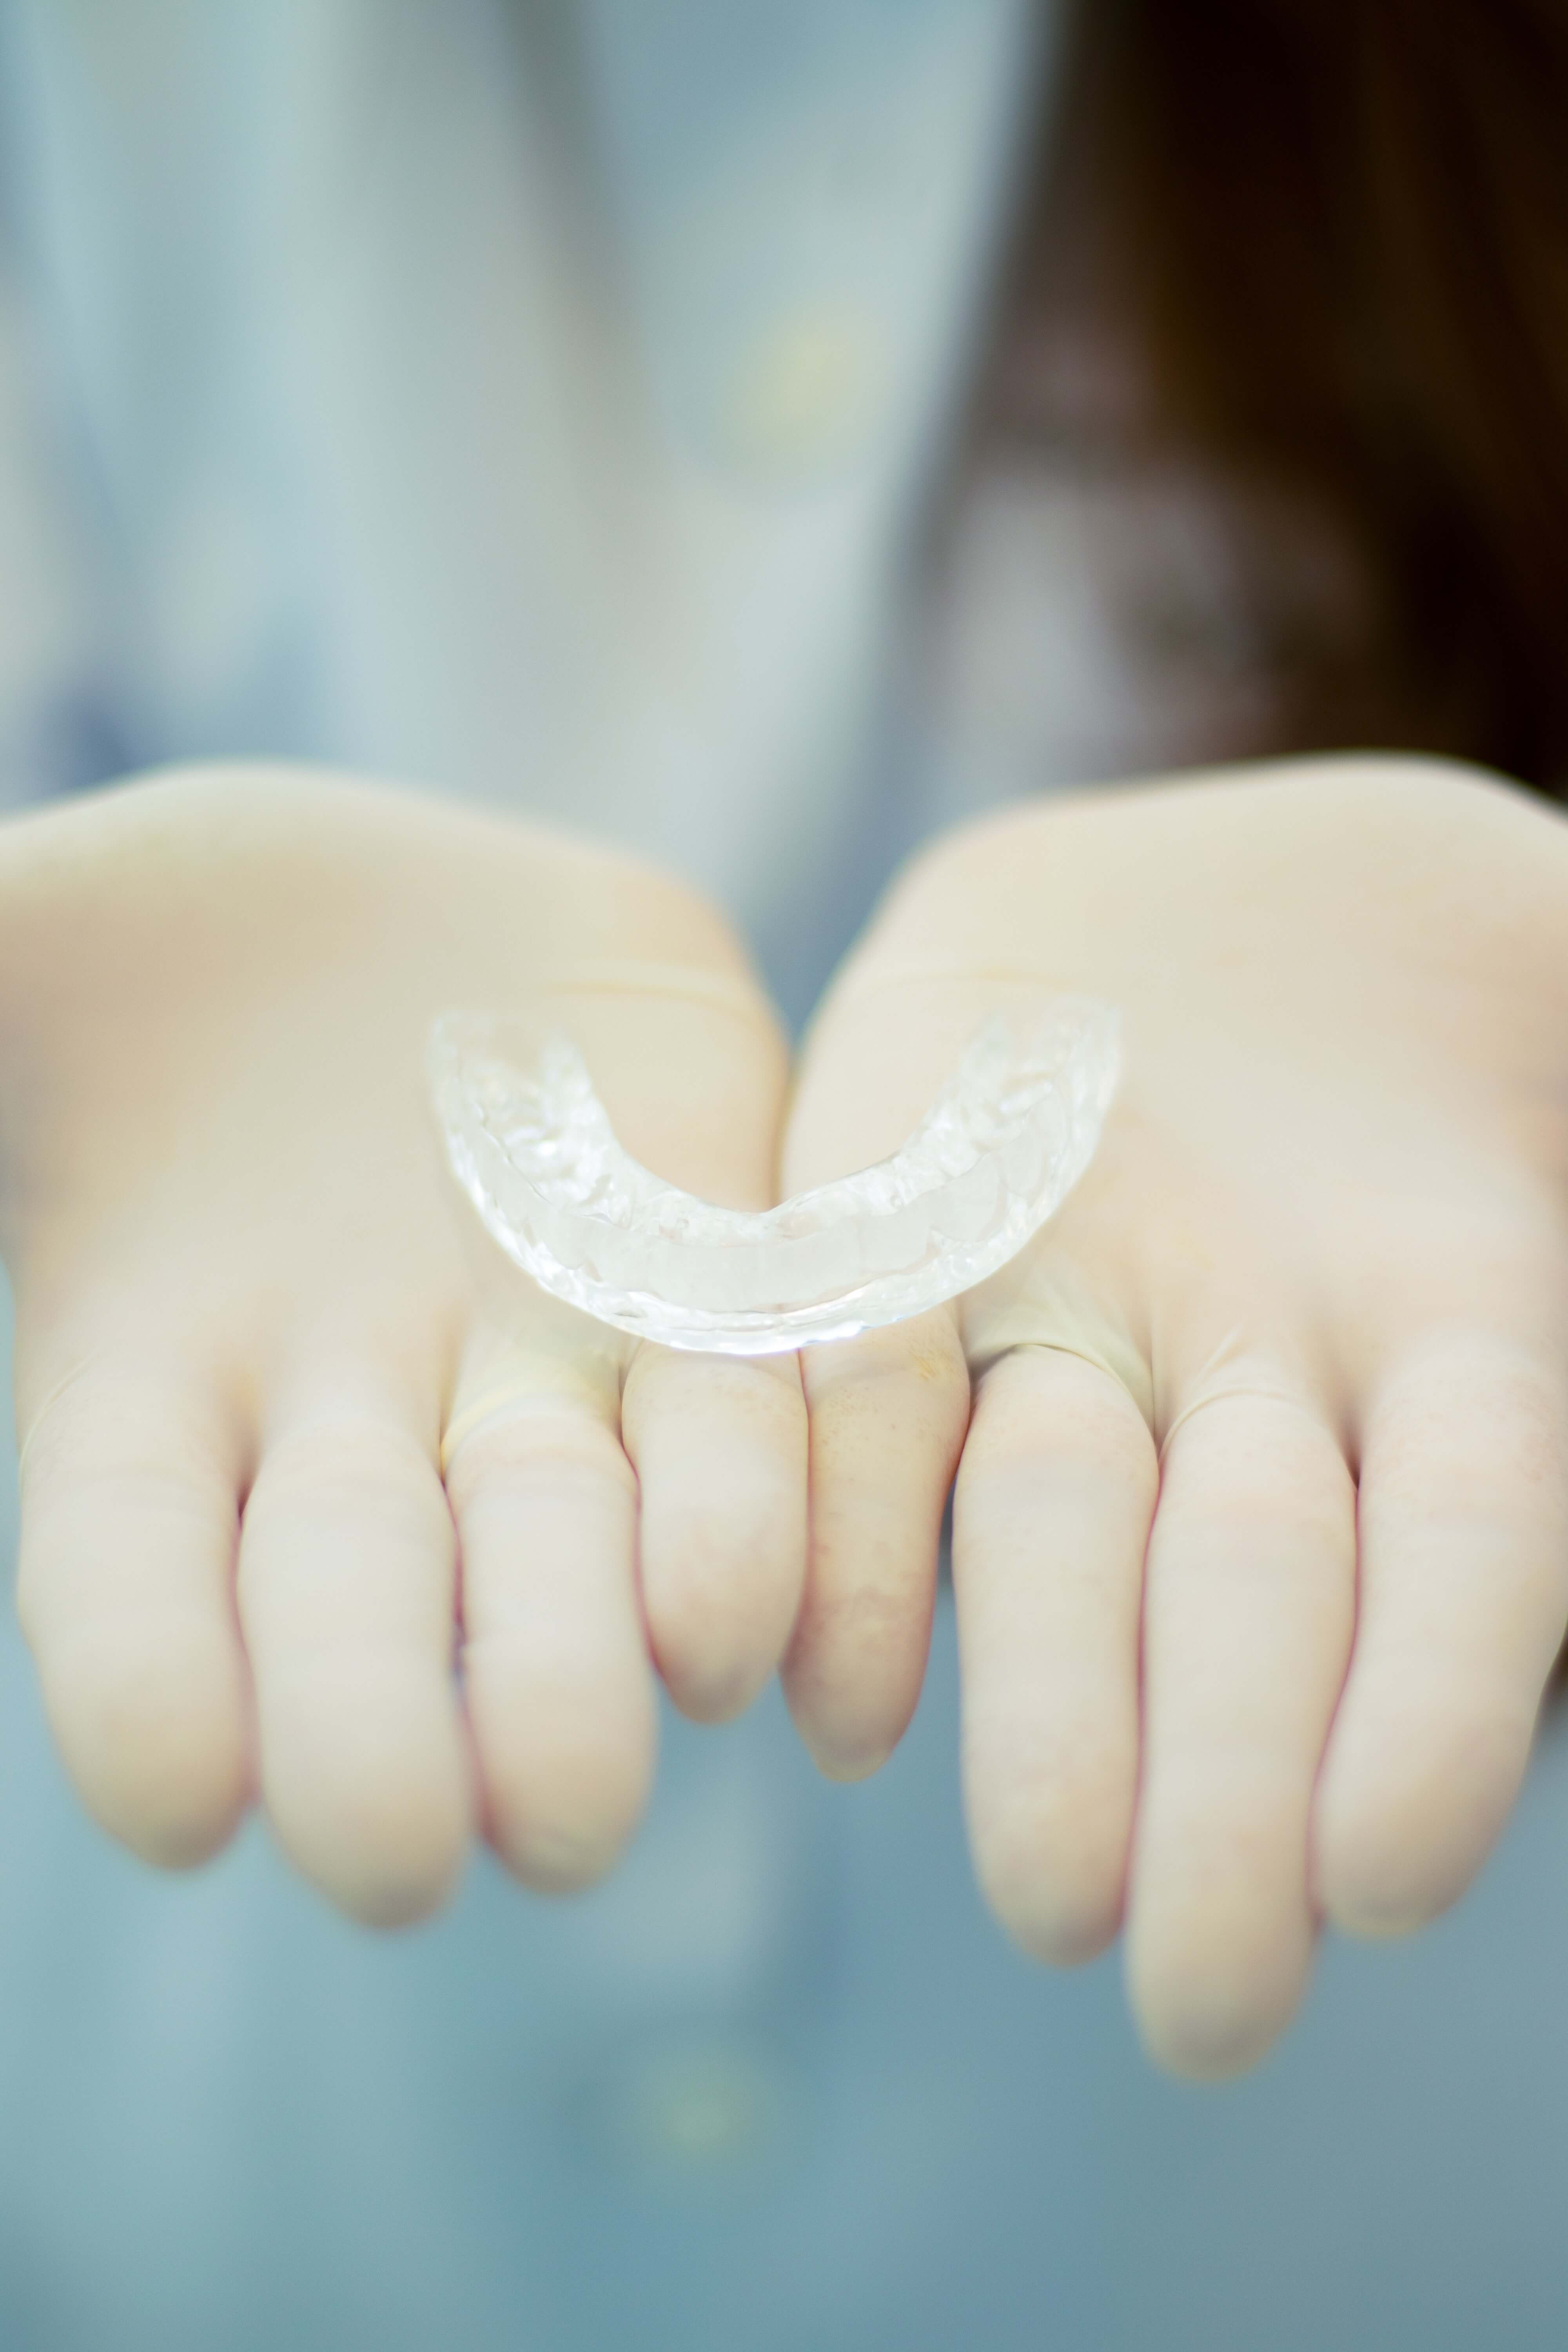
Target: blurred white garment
x=528 y=404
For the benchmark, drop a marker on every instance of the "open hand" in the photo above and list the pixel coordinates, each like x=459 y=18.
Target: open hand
x=250 y=1336
x=1260 y=1534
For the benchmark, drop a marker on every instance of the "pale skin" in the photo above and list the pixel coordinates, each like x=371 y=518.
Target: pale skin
x=1325 y=1240
x=1261 y=1536
x=246 y=1318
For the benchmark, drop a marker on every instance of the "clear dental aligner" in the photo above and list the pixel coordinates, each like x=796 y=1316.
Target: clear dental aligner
x=1005 y=1140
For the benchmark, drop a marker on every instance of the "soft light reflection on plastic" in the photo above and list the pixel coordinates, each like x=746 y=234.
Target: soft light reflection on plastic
x=1005 y=1140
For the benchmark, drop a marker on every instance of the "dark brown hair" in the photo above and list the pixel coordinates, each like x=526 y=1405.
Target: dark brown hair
x=1332 y=238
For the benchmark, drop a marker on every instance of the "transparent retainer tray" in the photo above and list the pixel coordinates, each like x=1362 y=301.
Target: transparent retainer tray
x=531 y=1145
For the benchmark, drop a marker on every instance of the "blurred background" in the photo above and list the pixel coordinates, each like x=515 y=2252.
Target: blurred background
x=764 y=434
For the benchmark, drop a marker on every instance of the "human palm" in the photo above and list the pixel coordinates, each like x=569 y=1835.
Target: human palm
x=251 y=1338
x=1260 y=1529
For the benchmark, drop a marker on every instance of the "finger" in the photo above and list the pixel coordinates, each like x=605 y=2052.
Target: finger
x=1248 y=1602
x=346 y=1585
x=130 y=1517
x=1051 y=1515
x=887 y=1413
x=720 y=1449
x=556 y=1677
x=1463 y=1592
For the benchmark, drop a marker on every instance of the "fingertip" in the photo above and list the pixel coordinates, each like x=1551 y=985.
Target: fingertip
x=1220 y=1939
x=1372 y=1915
x=367 y=1787
x=888 y=1412
x=389 y=1900
x=1249 y=1609
x=1462 y=1523
x=1213 y=2025
x=721 y=1578
x=1062 y=1926
x=1206 y=2051
x=1050 y=1520
x=705 y=1682
x=567 y=1773
x=719 y=1450
x=567 y=1857
x=852 y=1675
x=557 y=1682
x=846 y=1753
x=1410 y=1807
x=346 y=1590
x=123 y=1593
x=152 y=1721
x=1052 y=1867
